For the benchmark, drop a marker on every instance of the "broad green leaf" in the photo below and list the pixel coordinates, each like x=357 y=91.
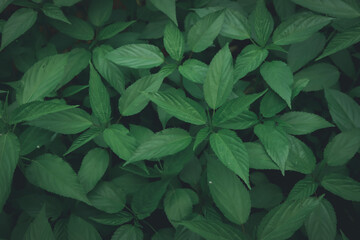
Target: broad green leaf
x=321 y=223
x=266 y=195
x=271 y=104
x=301 y=123
x=140 y=133
x=137 y=56
x=40 y=228
x=320 y=76
x=179 y=106
x=262 y=23
x=194 y=70
x=248 y=60
x=235 y=25
x=342 y=41
x=116 y=219
x=18 y=23
x=177 y=204
x=65 y=3
x=244 y=120
x=219 y=80
x=55 y=12
x=168 y=7
x=34 y=110
x=212 y=229
x=228 y=192
x=117 y=137
x=69 y=121
x=279 y=77
x=234 y=107
x=163 y=143
x=303 y=189
x=202 y=34
x=100 y=11
x=336 y=8
x=174 y=41
x=93 y=167
x=78 y=29
x=342 y=186
x=107 y=197
x=53 y=174
x=99 y=97
x=231 y=151
x=276 y=143
x=78 y=228
x=201 y=135
x=42 y=78
x=33 y=138
x=147 y=198
x=84 y=138
x=282 y=221
x=342 y=147
x=9 y=156
x=299 y=27
x=128 y=232
x=112 y=29
x=344 y=111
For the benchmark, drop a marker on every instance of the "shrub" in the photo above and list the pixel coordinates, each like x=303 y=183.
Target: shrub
x=165 y=119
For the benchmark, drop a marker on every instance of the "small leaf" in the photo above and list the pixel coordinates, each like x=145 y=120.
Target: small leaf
x=303 y=189
x=343 y=186
x=262 y=23
x=174 y=41
x=100 y=12
x=128 y=232
x=53 y=11
x=235 y=25
x=65 y=3
x=78 y=29
x=194 y=70
x=83 y=139
x=177 y=204
x=168 y=7
x=116 y=219
x=78 y=228
x=112 y=29
x=40 y=228
x=201 y=136
x=244 y=120
x=266 y=195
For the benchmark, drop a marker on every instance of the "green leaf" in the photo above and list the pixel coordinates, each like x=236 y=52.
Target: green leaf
x=301 y=123
x=235 y=25
x=83 y=139
x=194 y=70
x=100 y=11
x=168 y=7
x=321 y=223
x=163 y=143
x=78 y=29
x=69 y=121
x=231 y=151
x=303 y=189
x=33 y=138
x=42 y=78
x=201 y=135
x=65 y=3
x=282 y=222
x=219 y=80
x=78 y=228
x=342 y=41
x=244 y=120
x=335 y=8
x=34 y=110
x=107 y=197
x=279 y=77
x=177 y=204
x=53 y=174
x=344 y=111
x=39 y=228
x=202 y=34
x=18 y=23
x=228 y=192
x=112 y=29
x=99 y=97
x=174 y=41
x=137 y=56
x=9 y=156
x=93 y=167
x=248 y=60
x=181 y=107
x=271 y=104
x=342 y=147
x=343 y=186
x=266 y=195
x=53 y=11
x=116 y=219
x=117 y=137
x=276 y=143
x=320 y=76
x=299 y=27
x=231 y=109
x=128 y=232
x=262 y=23
x=4 y=4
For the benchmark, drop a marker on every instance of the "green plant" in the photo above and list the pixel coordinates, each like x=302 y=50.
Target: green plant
x=184 y=120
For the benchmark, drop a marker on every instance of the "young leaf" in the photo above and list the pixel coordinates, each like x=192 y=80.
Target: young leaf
x=112 y=29
x=299 y=27
x=168 y=7
x=231 y=151
x=53 y=174
x=303 y=189
x=112 y=219
x=137 y=56
x=78 y=29
x=174 y=41
x=177 y=204
x=55 y=12
x=343 y=186
x=194 y=70
x=228 y=192
x=18 y=23
x=128 y=232
x=201 y=136
x=78 y=228
x=83 y=139
x=235 y=25
x=279 y=77
x=244 y=120
x=100 y=11
x=39 y=228
x=202 y=34
x=219 y=80
x=271 y=104
x=262 y=23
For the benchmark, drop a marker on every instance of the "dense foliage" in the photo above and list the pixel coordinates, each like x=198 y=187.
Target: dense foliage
x=186 y=120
